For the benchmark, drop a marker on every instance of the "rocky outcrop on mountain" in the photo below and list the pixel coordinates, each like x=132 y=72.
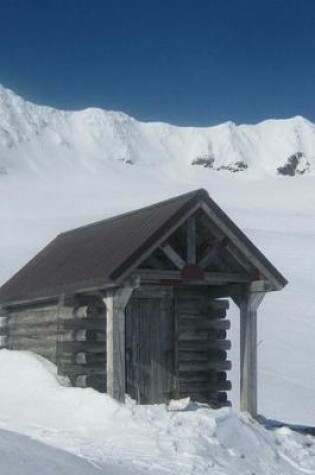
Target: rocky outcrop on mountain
x=296 y=164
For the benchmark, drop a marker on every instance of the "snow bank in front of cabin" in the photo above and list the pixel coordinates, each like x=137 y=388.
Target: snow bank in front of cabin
x=20 y=455
x=140 y=439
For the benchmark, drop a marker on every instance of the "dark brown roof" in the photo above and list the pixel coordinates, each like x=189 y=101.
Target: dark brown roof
x=97 y=254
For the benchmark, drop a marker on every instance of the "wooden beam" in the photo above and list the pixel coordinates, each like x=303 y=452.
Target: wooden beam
x=241 y=246
x=72 y=347
x=212 y=254
x=205 y=366
x=241 y=260
x=116 y=301
x=210 y=278
x=260 y=286
x=235 y=254
x=248 y=303
x=158 y=243
x=191 y=240
x=173 y=256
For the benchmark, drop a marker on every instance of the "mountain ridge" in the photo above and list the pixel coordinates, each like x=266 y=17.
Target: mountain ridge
x=37 y=140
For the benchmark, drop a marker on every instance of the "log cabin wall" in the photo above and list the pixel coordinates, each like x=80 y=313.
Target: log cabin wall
x=32 y=329
x=81 y=345
x=176 y=342
x=201 y=347
x=71 y=336
x=176 y=345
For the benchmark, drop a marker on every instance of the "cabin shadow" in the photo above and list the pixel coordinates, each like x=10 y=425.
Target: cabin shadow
x=272 y=424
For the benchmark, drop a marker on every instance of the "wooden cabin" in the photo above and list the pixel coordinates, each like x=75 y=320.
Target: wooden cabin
x=137 y=303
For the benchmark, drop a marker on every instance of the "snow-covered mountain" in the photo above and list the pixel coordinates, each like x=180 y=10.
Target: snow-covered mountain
x=42 y=141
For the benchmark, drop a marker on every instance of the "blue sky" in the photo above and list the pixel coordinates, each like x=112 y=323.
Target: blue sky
x=195 y=62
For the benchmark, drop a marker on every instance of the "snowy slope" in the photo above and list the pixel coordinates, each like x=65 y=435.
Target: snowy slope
x=41 y=141
x=128 y=439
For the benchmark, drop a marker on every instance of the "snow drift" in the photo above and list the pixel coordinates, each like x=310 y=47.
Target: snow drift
x=20 y=455
x=134 y=439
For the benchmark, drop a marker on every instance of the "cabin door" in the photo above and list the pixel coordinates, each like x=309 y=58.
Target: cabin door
x=149 y=347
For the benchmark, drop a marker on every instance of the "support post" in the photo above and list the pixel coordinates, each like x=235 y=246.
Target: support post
x=116 y=301
x=191 y=240
x=248 y=303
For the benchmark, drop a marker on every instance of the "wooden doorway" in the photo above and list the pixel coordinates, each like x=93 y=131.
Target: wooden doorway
x=150 y=347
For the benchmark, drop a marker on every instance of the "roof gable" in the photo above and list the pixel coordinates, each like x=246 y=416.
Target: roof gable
x=104 y=253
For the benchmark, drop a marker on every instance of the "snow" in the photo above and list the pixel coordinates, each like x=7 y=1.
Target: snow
x=64 y=170
x=40 y=141
x=20 y=455
x=131 y=439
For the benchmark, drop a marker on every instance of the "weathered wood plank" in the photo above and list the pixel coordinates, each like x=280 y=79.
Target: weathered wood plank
x=81 y=346
x=242 y=247
x=3 y=331
x=248 y=303
x=191 y=240
x=29 y=340
x=199 y=366
x=209 y=278
x=37 y=315
x=75 y=369
x=204 y=324
x=201 y=346
x=200 y=312
x=90 y=358
x=84 y=324
x=204 y=345
x=209 y=335
x=173 y=256
x=201 y=386
x=218 y=399
x=219 y=304
x=35 y=333
x=159 y=242
x=212 y=254
x=116 y=302
x=212 y=376
x=150 y=345
x=215 y=355
x=15 y=326
x=89 y=335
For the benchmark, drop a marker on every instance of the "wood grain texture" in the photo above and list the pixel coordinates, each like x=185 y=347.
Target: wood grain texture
x=150 y=346
x=201 y=357
x=248 y=303
x=116 y=301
